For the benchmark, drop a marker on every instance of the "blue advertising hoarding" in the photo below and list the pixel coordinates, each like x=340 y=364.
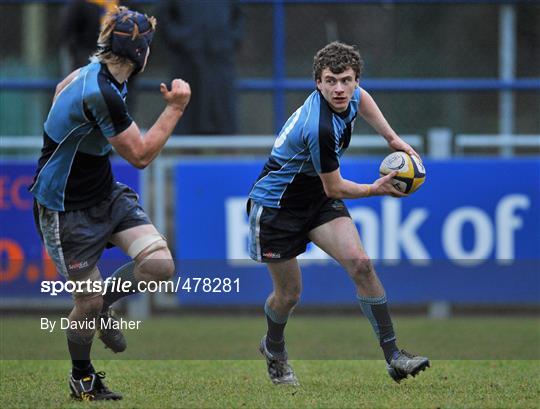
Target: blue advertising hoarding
x=23 y=260
x=471 y=234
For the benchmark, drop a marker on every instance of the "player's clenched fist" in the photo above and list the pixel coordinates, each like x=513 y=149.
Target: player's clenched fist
x=179 y=94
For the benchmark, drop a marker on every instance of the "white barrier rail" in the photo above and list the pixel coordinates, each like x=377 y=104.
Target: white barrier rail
x=194 y=142
x=462 y=141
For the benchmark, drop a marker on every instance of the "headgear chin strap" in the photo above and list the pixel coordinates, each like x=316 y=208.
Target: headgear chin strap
x=132 y=35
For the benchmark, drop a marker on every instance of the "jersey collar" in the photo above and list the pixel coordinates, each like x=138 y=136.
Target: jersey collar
x=119 y=86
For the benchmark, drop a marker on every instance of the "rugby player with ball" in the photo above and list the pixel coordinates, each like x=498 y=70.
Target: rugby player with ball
x=298 y=198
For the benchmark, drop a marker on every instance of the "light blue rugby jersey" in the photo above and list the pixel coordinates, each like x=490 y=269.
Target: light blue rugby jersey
x=74 y=170
x=311 y=142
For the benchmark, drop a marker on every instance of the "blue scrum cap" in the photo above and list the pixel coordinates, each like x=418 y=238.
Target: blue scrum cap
x=132 y=35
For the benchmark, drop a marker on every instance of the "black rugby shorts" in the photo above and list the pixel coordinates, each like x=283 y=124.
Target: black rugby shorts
x=75 y=240
x=282 y=234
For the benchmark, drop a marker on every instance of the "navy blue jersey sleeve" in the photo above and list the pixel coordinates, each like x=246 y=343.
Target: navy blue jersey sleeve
x=109 y=109
x=322 y=142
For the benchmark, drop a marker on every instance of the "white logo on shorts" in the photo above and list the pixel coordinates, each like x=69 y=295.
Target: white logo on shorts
x=77 y=265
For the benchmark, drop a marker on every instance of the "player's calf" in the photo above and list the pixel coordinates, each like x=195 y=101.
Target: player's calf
x=87 y=306
x=152 y=262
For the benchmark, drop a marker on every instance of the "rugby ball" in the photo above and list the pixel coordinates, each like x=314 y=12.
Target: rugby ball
x=411 y=171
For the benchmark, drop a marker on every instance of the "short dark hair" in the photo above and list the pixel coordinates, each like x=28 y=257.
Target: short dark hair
x=337 y=57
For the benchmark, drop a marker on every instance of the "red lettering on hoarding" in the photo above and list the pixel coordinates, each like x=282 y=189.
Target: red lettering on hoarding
x=32 y=273
x=13 y=264
x=4 y=200
x=12 y=260
x=14 y=194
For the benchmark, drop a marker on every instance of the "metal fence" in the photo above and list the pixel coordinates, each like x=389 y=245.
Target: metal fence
x=473 y=66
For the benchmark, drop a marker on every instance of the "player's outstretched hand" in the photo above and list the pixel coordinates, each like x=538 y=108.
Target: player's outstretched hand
x=383 y=186
x=179 y=94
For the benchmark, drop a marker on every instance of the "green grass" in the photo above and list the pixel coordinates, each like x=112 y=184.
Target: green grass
x=308 y=337
x=478 y=363
x=240 y=384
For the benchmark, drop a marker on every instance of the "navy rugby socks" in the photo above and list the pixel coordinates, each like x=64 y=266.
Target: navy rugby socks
x=376 y=311
x=80 y=359
x=275 y=341
x=124 y=274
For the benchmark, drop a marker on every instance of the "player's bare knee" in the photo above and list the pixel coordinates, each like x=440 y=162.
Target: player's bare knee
x=160 y=267
x=361 y=267
x=153 y=258
x=89 y=305
x=168 y=269
x=88 y=302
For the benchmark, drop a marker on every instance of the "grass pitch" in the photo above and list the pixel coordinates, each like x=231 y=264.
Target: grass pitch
x=476 y=363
